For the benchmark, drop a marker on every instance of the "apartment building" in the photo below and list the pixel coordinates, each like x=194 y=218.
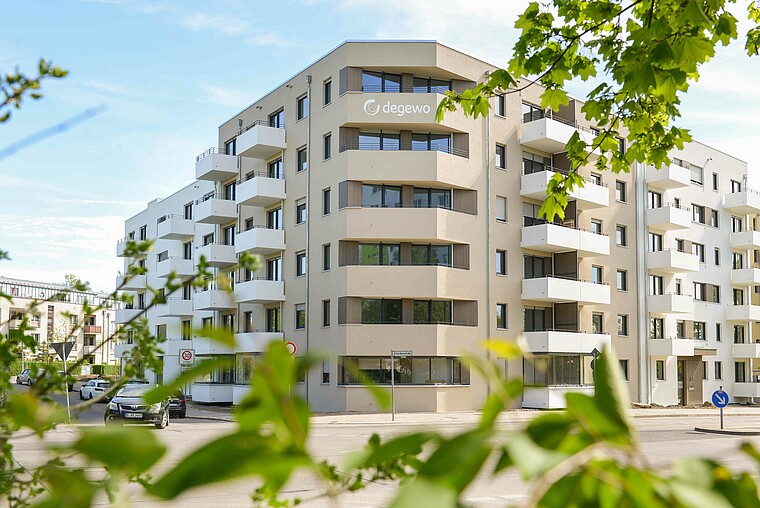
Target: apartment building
x=54 y=321
x=380 y=229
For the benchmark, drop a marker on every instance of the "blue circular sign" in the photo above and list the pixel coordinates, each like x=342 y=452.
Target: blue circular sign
x=720 y=398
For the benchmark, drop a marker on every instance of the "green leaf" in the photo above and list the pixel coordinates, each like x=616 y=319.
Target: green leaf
x=554 y=98
x=65 y=488
x=468 y=451
x=205 y=366
x=529 y=458
x=128 y=449
x=424 y=493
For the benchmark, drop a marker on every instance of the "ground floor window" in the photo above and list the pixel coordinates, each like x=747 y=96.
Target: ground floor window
x=244 y=363
x=553 y=370
x=221 y=374
x=416 y=370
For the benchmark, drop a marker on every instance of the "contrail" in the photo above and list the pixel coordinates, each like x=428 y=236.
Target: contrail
x=51 y=131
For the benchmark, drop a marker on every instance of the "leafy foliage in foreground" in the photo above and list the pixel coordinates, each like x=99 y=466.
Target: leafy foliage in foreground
x=14 y=86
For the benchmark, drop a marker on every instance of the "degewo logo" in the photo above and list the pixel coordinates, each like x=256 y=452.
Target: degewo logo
x=371 y=107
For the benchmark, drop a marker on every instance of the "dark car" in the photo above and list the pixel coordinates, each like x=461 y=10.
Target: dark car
x=128 y=406
x=177 y=405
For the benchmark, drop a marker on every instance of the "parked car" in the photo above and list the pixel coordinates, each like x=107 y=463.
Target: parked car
x=24 y=378
x=94 y=388
x=177 y=405
x=128 y=406
x=69 y=383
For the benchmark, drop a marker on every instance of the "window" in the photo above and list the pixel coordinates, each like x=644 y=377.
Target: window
x=143 y=233
x=417 y=370
x=302 y=107
x=301 y=211
x=624 y=369
x=700 y=330
x=717 y=256
x=501 y=156
x=230 y=147
x=680 y=245
x=737 y=260
x=656 y=328
x=715 y=181
x=377 y=311
x=379 y=254
x=277 y=119
x=740 y=372
x=274 y=268
x=597 y=322
x=424 y=141
x=622 y=280
x=738 y=334
x=273 y=319
x=432 y=312
x=300 y=316
x=501 y=209
x=327 y=92
x=700 y=291
x=698 y=213
x=537 y=319
x=533 y=163
x=736 y=224
x=659 y=368
x=229 y=191
x=735 y=186
x=301 y=160
x=678 y=286
x=381 y=82
x=501 y=262
x=228 y=235
x=275 y=169
x=536 y=267
x=655 y=242
x=207 y=322
x=531 y=112
x=596 y=226
x=738 y=296
x=501 y=316
x=620 y=194
x=228 y=322
x=300 y=263
x=597 y=274
x=501 y=105
x=326 y=371
x=717 y=332
x=381 y=196
x=274 y=218
x=622 y=320
x=326 y=201
x=718 y=370
x=325 y=313
x=189 y=211
x=327 y=146
x=596 y=178
x=185 y=329
x=425 y=85
x=423 y=197
x=187 y=250
x=431 y=255
x=621 y=236
x=696 y=173
x=698 y=250
x=654 y=199
x=326 y=257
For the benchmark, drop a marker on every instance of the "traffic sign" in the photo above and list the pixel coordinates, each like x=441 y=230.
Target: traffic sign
x=291 y=347
x=62 y=349
x=401 y=354
x=720 y=398
x=186 y=356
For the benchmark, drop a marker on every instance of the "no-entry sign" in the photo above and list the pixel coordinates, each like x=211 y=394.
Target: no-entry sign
x=186 y=356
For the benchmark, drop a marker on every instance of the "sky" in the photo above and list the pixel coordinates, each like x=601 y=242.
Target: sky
x=164 y=74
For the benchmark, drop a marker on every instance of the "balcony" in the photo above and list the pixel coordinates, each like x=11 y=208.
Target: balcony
x=559 y=341
x=260 y=140
x=670 y=303
x=672 y=261
x=408 y=167
x=213 y=299
x=255 y=341
x=742 y=312
x=182 y=268
x=126 y=315
x=670 y=346
x=588 y=197
x=555 y=289
x=260 y=240
x=546 y=237
x=260 y=190
x=428 y=339
x=668 y=218
x=746 y=350
x=404 y=281
x=175 y=307
x=668 y=177
x=131 y=282
x=551 y=134
x=217 y=254
x=746 y=390
x=214 y=210
x=745 y=276
x=214 y=165
x=15 y=324
x=260 y=291
x=175 y=227
x=91 y=329
x=204 y=346
x=744 y=202
x=121 y=248
x=748 y=240
x=407 y=223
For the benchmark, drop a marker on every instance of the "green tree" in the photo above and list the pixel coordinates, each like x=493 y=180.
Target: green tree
x=16 y=85
x=643 y=55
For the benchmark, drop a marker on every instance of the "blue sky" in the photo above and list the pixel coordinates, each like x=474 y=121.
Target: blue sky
x=169 y=72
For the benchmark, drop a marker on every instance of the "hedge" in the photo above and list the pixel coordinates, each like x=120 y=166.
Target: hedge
x=106 y=370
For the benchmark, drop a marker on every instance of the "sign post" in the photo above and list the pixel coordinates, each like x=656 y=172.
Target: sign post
x=720 y=399
x=62 y=349
x=394 y=355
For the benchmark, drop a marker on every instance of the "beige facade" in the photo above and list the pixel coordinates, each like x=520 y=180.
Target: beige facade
x=59 y=320
x=380 y=229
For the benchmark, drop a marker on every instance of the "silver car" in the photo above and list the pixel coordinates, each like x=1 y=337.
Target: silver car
x=24 y=378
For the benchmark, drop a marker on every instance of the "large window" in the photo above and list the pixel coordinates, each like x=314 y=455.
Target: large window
x=432 y=198
x=274 y=218
x=244 y=364
x=537 y=267
x=221 y=374
x=430 y=85
x=379 y=254
x=380 y=82
x=274 y=268
x=424 y=141
x=414 y=370
x=377 y=311
x=275 y=169
x=553 y=370
x=533 y=163
x=381 y=196
x=436 y=255
x=654 y=242
x=273 y=319
x=531 y=112
x=432 y=312
x=537 y=319
x=277 y=119
x=379 y=141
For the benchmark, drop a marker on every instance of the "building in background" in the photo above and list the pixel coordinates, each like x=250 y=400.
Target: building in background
x=380 y=229
x=56 y=320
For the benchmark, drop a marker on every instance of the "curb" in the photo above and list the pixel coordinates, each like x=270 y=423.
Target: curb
x=729 y=432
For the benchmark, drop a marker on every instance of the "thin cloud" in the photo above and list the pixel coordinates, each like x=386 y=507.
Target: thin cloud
x=226 y=97
x=271 y=39
x=225 y=25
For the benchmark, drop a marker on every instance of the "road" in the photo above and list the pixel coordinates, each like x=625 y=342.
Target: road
x=665 y=436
